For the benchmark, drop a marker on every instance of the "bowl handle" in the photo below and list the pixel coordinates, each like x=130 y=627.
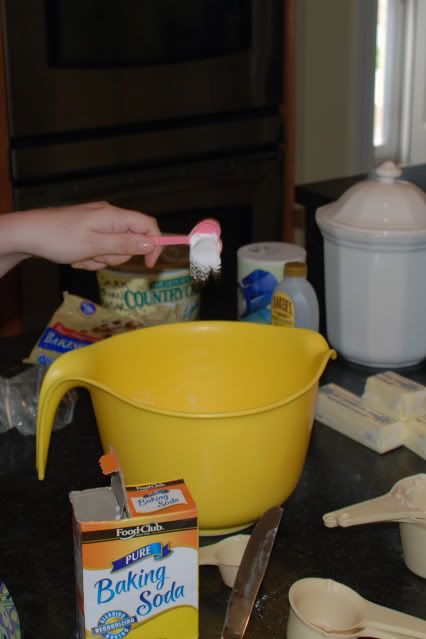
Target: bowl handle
x=58 y=380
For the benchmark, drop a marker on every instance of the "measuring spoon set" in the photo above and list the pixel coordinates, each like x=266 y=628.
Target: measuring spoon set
x=326 y=608
x=404 y=504
x=206 y=227
x=226 y=555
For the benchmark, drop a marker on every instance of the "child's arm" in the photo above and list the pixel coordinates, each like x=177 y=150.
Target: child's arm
x=87 y=236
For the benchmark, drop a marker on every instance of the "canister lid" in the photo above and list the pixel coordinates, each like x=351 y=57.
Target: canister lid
x=271 y=252
x=295 y=269
x=384 y=205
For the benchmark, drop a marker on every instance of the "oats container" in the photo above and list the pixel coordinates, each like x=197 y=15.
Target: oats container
x=166 y=291
x=375 y=271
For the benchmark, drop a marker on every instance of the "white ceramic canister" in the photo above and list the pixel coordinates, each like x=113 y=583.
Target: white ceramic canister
x=375 y=271
x=259 y=269
x=166 y=290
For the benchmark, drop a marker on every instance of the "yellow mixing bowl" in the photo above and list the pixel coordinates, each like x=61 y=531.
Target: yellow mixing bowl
x=227 y=406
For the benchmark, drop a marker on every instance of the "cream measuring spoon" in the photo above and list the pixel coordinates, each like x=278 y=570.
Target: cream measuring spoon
x=406 y=501
x=326 y=608
x=206 y=227
x=226 y=555
x=405 y=504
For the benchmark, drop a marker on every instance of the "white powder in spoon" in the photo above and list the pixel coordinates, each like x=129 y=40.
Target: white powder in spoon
x=204 y=256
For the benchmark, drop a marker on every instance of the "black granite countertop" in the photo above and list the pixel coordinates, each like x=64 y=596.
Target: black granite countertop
x=36 y=554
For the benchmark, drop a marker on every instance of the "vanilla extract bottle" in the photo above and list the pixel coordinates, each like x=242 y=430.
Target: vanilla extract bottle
x=294 y=301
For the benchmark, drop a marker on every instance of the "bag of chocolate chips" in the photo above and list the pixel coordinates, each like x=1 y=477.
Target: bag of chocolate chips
x=79 y=322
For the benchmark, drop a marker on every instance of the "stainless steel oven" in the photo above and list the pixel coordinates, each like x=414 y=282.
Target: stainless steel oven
x=85 y=65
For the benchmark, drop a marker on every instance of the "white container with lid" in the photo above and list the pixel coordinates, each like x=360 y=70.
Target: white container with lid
x=375 y=271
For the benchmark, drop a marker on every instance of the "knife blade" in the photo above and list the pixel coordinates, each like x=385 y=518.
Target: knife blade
x=250 y=574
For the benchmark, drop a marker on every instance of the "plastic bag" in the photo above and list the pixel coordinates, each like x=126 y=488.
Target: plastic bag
x=19 y=401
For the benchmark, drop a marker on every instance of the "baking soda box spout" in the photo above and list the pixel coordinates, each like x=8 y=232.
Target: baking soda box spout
x=136 y=560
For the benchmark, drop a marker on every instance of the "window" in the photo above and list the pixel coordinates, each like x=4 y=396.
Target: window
x=400 y=82
x=414 y=113
x=388 y=79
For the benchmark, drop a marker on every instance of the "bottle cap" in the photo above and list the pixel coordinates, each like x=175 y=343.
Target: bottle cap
x=295 y=269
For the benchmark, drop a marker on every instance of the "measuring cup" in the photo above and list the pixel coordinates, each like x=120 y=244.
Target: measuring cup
x=405 y=504
x=209 y=226
x=406 y=500
x=325 y=608
x=226 y=555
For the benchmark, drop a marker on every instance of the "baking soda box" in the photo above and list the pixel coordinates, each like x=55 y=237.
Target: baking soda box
x=136 y=559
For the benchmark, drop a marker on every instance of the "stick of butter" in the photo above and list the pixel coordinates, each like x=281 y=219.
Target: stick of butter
x=394 y=395
x=343 y=411
x=416 y=436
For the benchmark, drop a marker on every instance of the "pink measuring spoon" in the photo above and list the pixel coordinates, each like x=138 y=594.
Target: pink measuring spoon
x=208 y=226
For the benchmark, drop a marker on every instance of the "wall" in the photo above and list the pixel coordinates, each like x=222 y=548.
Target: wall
x=335 y=72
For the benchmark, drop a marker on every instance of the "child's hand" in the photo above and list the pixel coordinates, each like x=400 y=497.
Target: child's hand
x=87 y=236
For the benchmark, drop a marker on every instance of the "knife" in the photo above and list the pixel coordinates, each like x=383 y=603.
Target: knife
x=250 y=574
